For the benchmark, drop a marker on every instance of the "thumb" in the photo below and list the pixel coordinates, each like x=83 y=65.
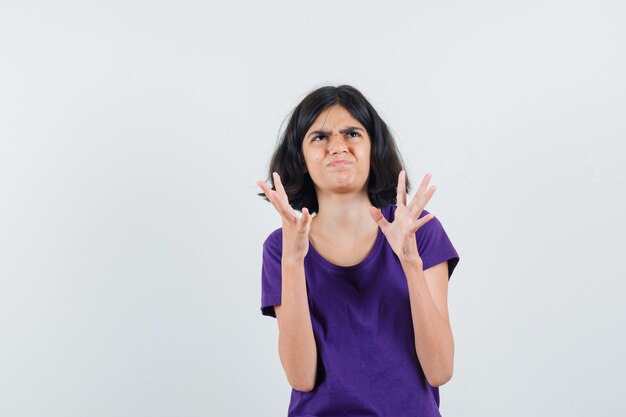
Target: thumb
x=306 y=218
x=378 y=217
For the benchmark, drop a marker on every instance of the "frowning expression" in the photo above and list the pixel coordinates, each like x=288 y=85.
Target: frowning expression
x=336 y=152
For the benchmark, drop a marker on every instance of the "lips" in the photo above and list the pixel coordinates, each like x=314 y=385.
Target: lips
x=339 y=163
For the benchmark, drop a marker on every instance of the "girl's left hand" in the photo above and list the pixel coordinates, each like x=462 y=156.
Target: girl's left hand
x=401 y=232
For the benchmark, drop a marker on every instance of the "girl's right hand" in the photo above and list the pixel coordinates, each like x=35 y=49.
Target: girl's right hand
x=295 y=230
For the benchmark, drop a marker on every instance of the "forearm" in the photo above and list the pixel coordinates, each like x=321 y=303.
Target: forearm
x=434 y=342
x=296 y=344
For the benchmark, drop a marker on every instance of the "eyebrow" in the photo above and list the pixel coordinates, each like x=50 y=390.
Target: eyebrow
x=327 y=132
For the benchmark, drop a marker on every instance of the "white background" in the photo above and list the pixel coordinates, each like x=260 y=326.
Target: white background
x=131 y=137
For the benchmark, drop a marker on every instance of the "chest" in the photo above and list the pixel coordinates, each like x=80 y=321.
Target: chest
x=344 y=252
x=366 y=299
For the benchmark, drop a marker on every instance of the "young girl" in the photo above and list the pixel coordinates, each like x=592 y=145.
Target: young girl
x=359 y=282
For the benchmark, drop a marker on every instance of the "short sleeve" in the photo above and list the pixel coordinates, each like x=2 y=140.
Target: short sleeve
x=271 y=275
x=434 y=245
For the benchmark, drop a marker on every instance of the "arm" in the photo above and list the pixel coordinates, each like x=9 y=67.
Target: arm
x=296 y=344
x=427 y=289
x=434 y=342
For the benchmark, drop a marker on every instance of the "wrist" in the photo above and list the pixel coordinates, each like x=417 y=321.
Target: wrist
x=291 y=261
x=410 y=257
x=411 y=261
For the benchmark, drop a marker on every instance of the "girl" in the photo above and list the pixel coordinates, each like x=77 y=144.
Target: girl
x=359 y=282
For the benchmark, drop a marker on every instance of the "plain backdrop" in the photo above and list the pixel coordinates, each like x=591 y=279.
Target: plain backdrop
x=131 y=137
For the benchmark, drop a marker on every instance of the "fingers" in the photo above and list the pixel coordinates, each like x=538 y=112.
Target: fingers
x=401 y=192
x=421 y=222
x=378 y=217
x=265 y=189
x=422 y=196
x=305 y=220
x=270 y=194
x=284 y=199
x=423 y=185
x=280 y=204
x=279 y=186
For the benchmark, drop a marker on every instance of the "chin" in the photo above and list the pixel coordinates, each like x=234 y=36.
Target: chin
x=342 y=184
x=348 y=188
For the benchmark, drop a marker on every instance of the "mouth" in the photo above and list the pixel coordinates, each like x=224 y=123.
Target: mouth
x=339 y=163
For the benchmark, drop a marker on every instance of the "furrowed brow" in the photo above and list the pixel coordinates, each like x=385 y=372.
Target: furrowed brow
x=350 y=129
x=328 y=132
x=320 y=132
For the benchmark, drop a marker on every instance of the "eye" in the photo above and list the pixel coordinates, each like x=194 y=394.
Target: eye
x=320 y=137
x=354 y=134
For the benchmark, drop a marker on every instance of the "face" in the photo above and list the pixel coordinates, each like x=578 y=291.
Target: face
x=337 y=152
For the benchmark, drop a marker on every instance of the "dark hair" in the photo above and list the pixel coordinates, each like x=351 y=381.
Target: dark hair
x=288 y=159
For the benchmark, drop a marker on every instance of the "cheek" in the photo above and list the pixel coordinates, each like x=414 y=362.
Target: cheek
x=311 y=160
x=365 y=155
x=313 y=157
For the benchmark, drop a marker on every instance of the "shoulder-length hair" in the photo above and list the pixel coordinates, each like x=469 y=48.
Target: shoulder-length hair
x=288 y=159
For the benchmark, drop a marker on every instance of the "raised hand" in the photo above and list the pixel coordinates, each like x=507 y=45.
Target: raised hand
x=295 y=230
x=401 y=232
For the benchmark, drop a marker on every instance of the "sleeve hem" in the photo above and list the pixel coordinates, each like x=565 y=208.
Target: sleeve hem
x=452 y=258
x=267 y=308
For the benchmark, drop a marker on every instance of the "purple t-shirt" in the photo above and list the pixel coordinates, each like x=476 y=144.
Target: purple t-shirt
x=361 y=316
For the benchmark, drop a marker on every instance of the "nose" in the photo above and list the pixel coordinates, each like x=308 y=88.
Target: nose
x=337 y=144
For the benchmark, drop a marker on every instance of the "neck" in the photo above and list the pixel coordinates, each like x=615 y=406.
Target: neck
x=344 y=215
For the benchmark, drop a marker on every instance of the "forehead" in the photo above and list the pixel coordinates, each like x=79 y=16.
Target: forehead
x=335 y=116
